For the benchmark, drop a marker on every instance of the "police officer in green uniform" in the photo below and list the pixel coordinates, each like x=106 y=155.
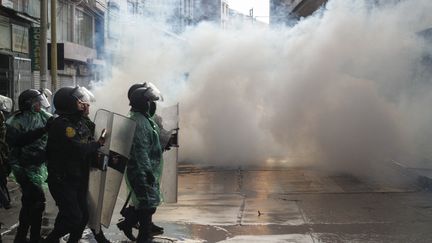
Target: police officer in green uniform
x=70 y=144
x=130 y=219
x=144 y=166
x=27 y=160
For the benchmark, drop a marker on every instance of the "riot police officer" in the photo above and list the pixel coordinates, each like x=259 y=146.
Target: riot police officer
x=5 y=106
x=27 y=160
x=130 y=219
x=145 y=163
x=70 y=144
x=98 y=235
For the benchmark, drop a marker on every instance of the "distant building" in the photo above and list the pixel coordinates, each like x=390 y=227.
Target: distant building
x=192 y=12
x=181 y=13
x=237 y=18
x=289 y=11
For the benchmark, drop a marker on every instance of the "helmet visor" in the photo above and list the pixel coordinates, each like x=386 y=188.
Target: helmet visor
x=153 y=92
x=6 y=103
x=43 y=100
x=46 y=92
x=83 y=95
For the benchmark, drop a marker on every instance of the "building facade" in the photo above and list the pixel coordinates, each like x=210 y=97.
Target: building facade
x=18 y=19
x=80 y=34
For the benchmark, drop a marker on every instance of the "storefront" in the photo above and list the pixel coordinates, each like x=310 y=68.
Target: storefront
x=15 y=63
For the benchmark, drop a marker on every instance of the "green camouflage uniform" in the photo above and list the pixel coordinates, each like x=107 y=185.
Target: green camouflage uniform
x=144 y=168
x=28 y=161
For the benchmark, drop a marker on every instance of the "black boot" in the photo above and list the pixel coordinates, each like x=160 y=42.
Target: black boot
x=127 y=229
x=100 y=237
x=54 y=236
x=24 y=223
x=130 y=220
x=144 y=217
x=36 y=221
x=156 y=230
x=21 y=235
x=75 y=236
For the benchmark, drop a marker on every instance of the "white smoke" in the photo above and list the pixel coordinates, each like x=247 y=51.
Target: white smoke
x=343 y=87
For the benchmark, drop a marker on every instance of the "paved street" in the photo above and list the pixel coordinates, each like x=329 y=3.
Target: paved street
x=280 y=204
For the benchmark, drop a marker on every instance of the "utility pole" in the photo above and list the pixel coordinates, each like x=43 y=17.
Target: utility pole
x=43 y=43
x=54 y=45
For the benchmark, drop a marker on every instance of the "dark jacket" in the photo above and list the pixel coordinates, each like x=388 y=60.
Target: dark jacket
x=70 y=144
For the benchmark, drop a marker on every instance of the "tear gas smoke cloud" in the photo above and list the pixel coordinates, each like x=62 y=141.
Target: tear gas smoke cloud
x=344 y=88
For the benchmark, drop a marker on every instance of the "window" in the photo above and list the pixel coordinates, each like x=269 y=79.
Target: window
x=33 y=8
x=83 y=28
x=113 y=23
x=20 y=39
x=5 y=37
x=63 y=22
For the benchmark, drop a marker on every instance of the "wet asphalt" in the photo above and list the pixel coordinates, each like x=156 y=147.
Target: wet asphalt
x=275 y=204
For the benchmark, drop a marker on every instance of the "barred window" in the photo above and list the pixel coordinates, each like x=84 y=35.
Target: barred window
x=64 y=22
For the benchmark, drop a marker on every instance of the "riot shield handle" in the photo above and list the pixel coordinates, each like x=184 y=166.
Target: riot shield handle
x=102 y=137
x=103 y=134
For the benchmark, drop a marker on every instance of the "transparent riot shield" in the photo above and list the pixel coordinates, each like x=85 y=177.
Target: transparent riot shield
x=169 y=124
x=106 y=179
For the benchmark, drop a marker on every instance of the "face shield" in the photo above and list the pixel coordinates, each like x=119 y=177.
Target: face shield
x=42 y=99
x=83 y=95
x=152 y=92
x=84 y=98
x=6 y=103
x=46 y=92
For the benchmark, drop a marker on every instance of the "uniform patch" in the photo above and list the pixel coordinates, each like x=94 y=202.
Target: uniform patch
x=70 y=132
